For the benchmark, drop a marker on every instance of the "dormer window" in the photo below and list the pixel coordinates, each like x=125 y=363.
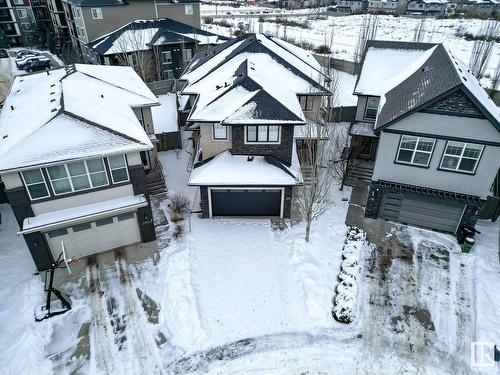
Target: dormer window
x=372 y=103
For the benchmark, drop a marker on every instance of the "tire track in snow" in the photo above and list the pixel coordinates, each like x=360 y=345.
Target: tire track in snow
x=146 y=356
x=103 y=349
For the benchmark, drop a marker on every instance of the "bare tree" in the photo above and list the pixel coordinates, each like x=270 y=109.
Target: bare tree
x=317 y=154
x=133 y=49
x=367 y=31
x=483 y=47
x=495 y=79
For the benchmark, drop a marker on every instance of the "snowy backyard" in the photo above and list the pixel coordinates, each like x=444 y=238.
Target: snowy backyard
x=240 y=296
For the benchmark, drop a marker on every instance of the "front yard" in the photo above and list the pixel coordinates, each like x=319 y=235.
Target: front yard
x=234 y=296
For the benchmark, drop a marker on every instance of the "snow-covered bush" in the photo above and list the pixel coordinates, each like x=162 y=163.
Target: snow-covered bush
x=178 y=207
x=347 y=288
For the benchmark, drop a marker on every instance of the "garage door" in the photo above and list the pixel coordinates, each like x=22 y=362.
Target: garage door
x=236 y=202
x=84 y=239
x=427 y=212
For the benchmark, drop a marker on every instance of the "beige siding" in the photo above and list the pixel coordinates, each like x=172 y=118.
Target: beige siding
x=210 y=146
x=315 y=112
x=478 y=184
x=360 y=109
x=12 y=180
x=82 y=199
x=177 y=12
x=134 y=159
x=148 y=120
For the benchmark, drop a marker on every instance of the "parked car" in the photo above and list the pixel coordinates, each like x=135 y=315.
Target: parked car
x=25 y=52
x=37 y=64
x=3 y=53
x=21 y=63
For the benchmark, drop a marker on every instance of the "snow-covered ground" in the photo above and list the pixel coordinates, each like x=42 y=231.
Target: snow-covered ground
x=345 y=30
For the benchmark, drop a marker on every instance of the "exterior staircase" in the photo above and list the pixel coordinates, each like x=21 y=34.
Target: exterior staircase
x=306 y=174
x=155 y=180
x=361 y=170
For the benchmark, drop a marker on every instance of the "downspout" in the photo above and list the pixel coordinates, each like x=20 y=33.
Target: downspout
x=156 y=9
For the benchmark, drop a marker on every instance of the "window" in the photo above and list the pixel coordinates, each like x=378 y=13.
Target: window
x=58 y=233
x=372 y=103
x=35 y=184
x=186 y=55
x=138 y=114
x=166 y=57
x=22 y=13
x=102 y=222
x=264 y=133
x=220 y=131
x=80 y=227
x=126 y=216
x=77 y=176
x=96 y=13
x=415 y=150
x=188 y=9
x=460 y=156
x=133 y=58
x=118 y=167
x=306 y=103
x=168 y=74
x=18 y=2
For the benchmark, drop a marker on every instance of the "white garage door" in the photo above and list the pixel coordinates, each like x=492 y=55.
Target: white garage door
x=81 y=240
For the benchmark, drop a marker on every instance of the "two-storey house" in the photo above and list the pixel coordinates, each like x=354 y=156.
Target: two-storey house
x=432 y=132
x=427 y=7
x=72 y=154
x=246 y=97
x=91 y=19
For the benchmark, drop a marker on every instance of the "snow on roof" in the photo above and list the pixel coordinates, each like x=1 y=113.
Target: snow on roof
x=381 y=67
x=306 y=56
x=165 y=115
x=132 y=40
x=54 y=219
x=233 y=170
x=80 y=92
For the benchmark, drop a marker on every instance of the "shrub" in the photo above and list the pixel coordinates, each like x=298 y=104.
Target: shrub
x=179 y=230
x=323 y=49
x=208 y=20
x=178 y=207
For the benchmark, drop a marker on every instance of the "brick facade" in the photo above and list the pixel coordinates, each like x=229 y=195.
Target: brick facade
x=282 y=151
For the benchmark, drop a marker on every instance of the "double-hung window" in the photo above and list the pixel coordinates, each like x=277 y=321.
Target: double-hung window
x=83 y=175
x=186 y=55
x=263 y=133
x=220 y=131
x=461 y=156
x=415 y=150
x=118 y=167
x=166 y=57
x=35 y=184
x=188 y=9
x=306 y=102
x=371 y=109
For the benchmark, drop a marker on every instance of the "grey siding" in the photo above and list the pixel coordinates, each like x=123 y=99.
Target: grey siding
x=360 y=109
x=478 y=184
x=282 y=151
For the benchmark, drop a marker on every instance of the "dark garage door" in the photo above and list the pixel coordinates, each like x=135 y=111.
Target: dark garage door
x=428 y=212
x=232 y=202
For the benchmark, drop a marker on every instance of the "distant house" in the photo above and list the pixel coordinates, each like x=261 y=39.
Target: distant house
x=428 y=132
x=351 y=6
x=384 y=6
x=481 y=8
x=427 y=7
x=74 y=153
x=245 y=99
x=162 y=47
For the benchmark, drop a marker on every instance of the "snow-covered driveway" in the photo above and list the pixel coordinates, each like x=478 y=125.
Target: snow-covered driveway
x=244 y=281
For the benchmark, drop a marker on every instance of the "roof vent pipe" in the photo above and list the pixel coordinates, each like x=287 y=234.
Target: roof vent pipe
x=12 y=107
x=102 y=96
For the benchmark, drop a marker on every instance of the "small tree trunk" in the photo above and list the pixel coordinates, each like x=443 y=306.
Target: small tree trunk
x=308 y=229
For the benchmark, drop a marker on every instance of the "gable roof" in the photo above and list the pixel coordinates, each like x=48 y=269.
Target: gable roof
x=73 y=112
x=251 y=79
x=143 y=34
x=438 y=75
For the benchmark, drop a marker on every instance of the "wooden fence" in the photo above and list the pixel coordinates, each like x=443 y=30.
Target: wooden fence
x=169 y=141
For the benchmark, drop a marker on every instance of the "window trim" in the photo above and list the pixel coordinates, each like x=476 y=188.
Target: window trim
x=213 y=132
x=166 y=62
x=309 y=101
x=257 y=142
x=112 y=169
x=411 y=164
x=44 y=182
x=166 y=76
x=65 y=165
x=366 y=108
x=190 y=53
x=470 y=173
x=100 y=15
x=191 y=9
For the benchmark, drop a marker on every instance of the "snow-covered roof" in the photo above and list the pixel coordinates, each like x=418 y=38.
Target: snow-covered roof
x=435 y=73
x=92 y=101
x=73 y=215
x=141 y=35
x=226 y=169
x=165 y=115
x=251 y=80
x=383 y=64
